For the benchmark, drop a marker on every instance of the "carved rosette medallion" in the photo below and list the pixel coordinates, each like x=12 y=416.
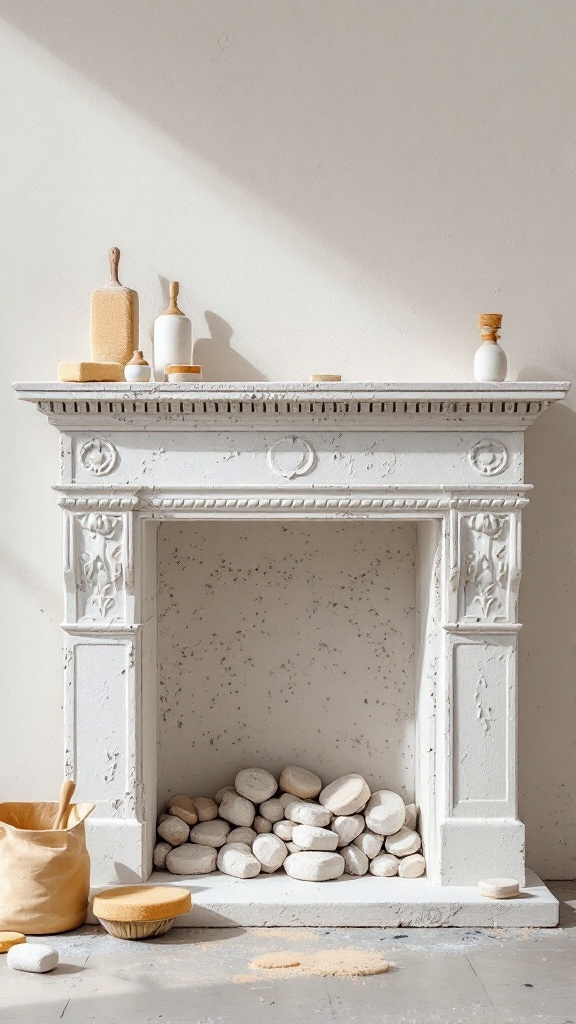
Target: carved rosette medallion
x=100 y=574
x=98 y=456
x=290 y=457
x=484 y=595
x=488 y=457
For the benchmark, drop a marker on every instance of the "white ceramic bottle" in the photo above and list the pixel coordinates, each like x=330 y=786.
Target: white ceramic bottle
x=172 y=336
x=490 y=363
x=137 y=371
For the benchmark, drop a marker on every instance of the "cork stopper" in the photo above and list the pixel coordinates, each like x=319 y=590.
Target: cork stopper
x=138 y=359
x=489 y=324
x=173 y=307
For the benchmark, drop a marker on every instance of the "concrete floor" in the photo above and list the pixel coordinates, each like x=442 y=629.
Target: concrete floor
x=190 y=976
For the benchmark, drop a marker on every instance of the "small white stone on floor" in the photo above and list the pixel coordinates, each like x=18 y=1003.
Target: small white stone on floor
x=304 y=813
x=412 y=867
x=385 y=812
x=403 y=843
x=347 y=827
x=293 y=848
x=161 y=851
x=369 y=843
x=174 y=830
x=310 y=866
x=242 y=835
x=222 y=793
x=191 y=859
x=284 y=829
x=32 y=957
x=237 y=809
x=206 y=809
x=411 y=818
x=310 y=837
x=285 y=799
x=356 y=862
x=256 y=784
x=185 y=809
x=346 y=795
x=239 y=863
x=499 y=888
x=270 y=851
x=300 y=782
x=272 y=810
x=261 y=825
x=385 y=865
x=210 y=833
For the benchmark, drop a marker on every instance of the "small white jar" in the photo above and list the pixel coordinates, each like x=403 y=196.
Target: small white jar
x=490 y=363
x=183 y=373
x=137 y=371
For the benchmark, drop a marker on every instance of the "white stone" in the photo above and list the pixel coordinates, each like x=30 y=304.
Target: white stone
x=270 y=851
x=206 y=809
x=412 y=867
x=347 y=827
x=385 y=812
x=183 y=808
x=308 y=813
x=174 y=830
x=293 y=847
x=222 y=793
x=285 y=799
x=242 y=835
x=385 y=865
x=256 y=784
x=177 y=798
x=161 y=851
x=369 y=843
x=411 y=818
x=310 y=837
x=345 y=795
x=284 y=830
x=356 y=862
x=239 y=863
x=261 y=825
x=300 y=782
x=499 y=888
x=272 y=810
x=403 y=843
x=245 y=847
x=192 y=860
x=312 y=866
x=33 y=957
x=163 y=817
x=237 y=809
x=210 y=833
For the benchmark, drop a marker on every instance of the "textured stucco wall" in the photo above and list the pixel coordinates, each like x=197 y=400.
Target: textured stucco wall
x=286 y=644
x=338 y=185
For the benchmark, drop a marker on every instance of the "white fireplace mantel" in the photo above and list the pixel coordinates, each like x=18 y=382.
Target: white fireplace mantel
x=448 y=456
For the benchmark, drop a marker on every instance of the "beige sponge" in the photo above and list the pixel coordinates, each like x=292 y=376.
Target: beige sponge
x=114 y=318
x=84 y=373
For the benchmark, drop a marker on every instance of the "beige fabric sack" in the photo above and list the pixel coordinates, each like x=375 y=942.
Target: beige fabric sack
x=44 y=874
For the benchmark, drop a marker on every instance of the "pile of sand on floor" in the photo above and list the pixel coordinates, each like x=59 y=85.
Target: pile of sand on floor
x=337 y=963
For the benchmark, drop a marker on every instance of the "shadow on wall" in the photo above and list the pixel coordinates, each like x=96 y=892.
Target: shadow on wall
x=547 y=669
x=216 y=352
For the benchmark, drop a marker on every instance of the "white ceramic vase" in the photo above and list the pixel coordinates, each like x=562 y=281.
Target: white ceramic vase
x=490 y=363
x=172 y=337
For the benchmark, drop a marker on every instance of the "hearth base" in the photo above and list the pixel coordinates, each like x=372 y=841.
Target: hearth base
x=219 y=901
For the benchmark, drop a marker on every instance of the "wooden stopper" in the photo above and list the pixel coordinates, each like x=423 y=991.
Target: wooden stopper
x=173 y=307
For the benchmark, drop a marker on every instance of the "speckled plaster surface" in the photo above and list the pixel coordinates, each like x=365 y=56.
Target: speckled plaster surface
x=283 y=643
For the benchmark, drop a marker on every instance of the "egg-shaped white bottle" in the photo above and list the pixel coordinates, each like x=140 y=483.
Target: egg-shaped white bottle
x=490 y=362
x=172 y=336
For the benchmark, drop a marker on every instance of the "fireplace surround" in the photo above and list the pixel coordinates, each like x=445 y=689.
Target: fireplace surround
x=448 y=458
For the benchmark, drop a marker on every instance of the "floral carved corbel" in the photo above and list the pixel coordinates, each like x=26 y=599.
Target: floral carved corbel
x=100 y=577
x=486 y=568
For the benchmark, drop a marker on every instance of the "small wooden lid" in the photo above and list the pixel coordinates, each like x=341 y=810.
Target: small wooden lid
x=141 y=903
x=9 y=939
x=183 y=368
x=325 y=376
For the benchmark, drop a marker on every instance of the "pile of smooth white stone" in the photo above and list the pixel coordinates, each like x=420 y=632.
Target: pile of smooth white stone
x=314 y=833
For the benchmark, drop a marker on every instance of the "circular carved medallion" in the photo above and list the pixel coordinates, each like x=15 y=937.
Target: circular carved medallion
x=98 y=456
x=488 y=457
x=290 y=457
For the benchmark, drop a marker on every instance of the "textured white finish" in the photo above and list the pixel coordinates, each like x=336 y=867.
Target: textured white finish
x=472 y=560
x=277 y=900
